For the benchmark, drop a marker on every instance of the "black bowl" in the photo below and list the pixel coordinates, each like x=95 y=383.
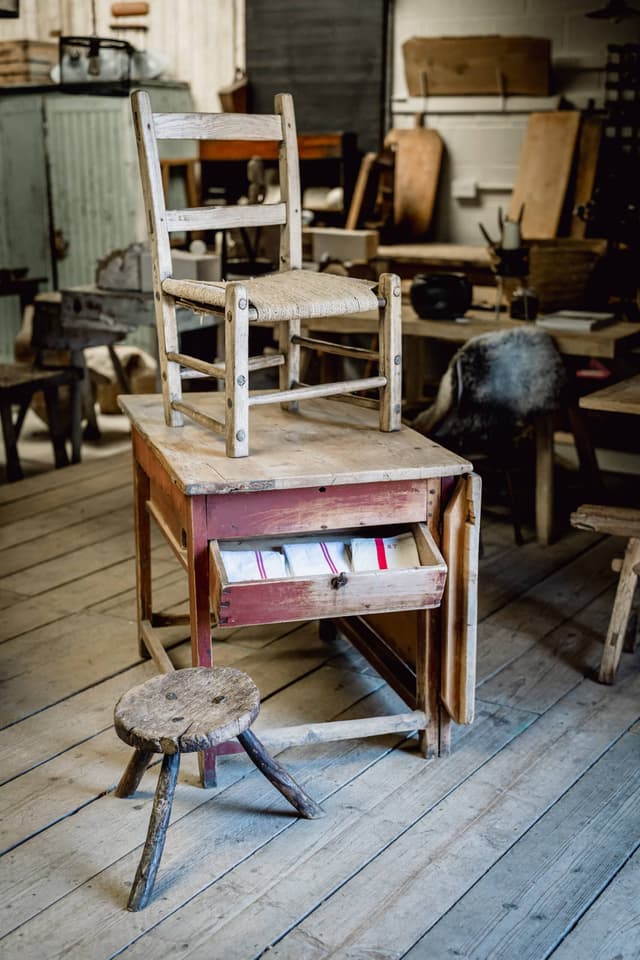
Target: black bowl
x=440 y=296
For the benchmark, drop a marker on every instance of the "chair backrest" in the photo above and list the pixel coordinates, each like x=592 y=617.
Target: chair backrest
x=496 y=379
x=151 y=127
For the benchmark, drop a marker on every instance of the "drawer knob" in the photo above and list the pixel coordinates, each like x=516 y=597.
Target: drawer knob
x=340 y=581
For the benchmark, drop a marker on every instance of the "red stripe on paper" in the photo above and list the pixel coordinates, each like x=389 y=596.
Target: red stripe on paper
x=327 y=557
x=260 y=562
x=381 y=554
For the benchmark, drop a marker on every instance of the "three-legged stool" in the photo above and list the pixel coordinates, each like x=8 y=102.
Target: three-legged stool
x=183 y=712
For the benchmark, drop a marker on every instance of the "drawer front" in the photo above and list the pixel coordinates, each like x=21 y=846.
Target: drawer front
x=328 y=595
x=294 y=511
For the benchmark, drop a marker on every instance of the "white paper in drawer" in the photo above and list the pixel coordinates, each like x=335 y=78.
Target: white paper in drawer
x=254 y=564
x=316 y=558
x=385 y=553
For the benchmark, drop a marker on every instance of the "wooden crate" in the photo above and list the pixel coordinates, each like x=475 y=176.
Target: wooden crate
x=560 y=270
x=477 y=65
x=26 y=61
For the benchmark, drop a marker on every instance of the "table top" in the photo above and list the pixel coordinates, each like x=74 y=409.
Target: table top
x=326 y=443
x=622 y=397
x=608 y=342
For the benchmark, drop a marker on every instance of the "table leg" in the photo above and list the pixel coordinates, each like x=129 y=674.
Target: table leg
x=199 y=609
x=435 y=740
x=544 y=478
x=586 y=454
x=141 y=489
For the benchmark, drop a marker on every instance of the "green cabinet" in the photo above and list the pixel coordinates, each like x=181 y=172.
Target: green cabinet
x=69 y=184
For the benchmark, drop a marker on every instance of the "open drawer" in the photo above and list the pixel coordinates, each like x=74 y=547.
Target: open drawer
x=341 y=593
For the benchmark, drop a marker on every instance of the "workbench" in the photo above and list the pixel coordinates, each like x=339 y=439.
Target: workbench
x=323 y=472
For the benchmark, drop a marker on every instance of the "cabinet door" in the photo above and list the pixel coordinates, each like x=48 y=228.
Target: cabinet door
x=24 y=212
x=95 y=191
x=96 y=197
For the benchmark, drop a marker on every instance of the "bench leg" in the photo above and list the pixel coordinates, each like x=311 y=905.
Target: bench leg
x=620 y=613
x=55 y=428
x=154 y=844
x=14 y=470
x=282 y=781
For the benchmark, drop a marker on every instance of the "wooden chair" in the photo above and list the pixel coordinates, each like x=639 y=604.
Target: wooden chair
x=183 y=712
x=281 y=299
x=625 y=522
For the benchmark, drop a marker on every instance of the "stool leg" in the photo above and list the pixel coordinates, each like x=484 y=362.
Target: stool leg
x=154 y=844
x=279 y=777
x=132 y=776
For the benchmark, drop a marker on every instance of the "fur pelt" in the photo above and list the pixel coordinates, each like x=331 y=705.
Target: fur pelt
x=495 y=383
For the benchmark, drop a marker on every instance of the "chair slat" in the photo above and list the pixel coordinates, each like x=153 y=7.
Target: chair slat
x=217 y=126
x=225 y=218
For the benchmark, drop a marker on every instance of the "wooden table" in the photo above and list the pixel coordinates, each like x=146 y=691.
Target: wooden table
x=325 y=470
x=622 y=397
x=607 y=343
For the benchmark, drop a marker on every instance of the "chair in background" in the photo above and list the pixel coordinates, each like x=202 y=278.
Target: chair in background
x=494 y=387
x=281 y=299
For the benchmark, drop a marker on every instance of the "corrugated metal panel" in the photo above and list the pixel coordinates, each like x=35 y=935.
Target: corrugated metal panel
x=24 y=220
x=94 y=180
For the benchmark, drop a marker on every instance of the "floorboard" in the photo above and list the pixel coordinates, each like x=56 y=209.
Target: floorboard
x=521 y=844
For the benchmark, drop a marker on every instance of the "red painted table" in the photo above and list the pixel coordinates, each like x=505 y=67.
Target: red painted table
x=322 y=472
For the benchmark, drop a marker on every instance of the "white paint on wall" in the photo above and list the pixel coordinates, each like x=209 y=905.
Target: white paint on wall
x=483 y=136
x=202 y=39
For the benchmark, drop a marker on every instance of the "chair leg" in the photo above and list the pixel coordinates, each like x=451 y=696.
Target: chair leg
x=144 y=880
x=620 y=613
x=236 y=381
x=282 y=781
x=390 y=347
x=290 y=372
x=140 y=760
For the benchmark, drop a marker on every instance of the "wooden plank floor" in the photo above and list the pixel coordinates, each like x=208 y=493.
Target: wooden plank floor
x=522 y=844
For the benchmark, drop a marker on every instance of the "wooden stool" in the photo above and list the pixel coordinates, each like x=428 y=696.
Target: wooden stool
x=183 y=712
x=625 y=522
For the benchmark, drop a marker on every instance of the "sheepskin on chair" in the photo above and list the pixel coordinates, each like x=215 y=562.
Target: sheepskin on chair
x=494 y=384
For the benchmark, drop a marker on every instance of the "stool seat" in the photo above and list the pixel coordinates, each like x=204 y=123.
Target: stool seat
x=188 y=710
x=182 y=712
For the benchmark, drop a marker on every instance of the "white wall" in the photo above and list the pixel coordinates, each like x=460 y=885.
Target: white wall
x=203 y=39
x=483 y=135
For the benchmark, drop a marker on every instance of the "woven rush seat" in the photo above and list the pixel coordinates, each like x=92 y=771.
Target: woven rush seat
x=284 y=299
x=183 y=712
x=287 y=295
